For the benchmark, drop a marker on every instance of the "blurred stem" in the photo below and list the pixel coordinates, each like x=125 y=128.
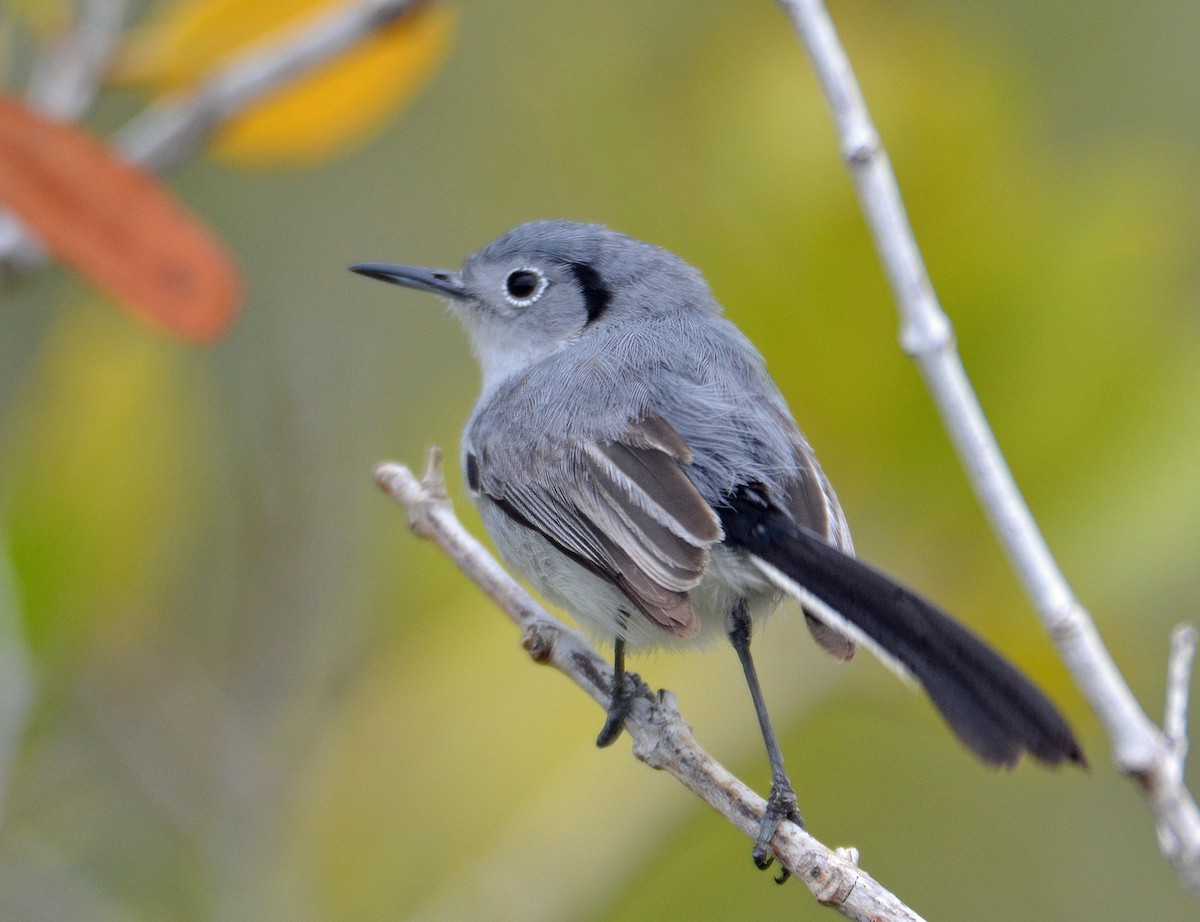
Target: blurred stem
x=68 y=72
x=1140 y=749
x=6 y=47
x=16 y=676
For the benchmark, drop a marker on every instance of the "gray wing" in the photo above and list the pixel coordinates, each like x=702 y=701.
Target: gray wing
x=625 y=510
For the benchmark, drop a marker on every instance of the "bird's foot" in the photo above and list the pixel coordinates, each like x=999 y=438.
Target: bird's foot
x=781 y=805
x=625 y=689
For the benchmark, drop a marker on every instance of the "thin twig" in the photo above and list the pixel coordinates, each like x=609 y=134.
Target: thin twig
x=68 y=72
x=1140 y=749
x=1179 y=679
x=661 y=738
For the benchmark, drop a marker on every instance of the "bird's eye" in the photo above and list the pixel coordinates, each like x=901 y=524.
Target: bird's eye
x=524 y=286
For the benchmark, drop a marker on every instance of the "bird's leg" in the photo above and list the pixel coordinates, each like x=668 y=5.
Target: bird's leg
x=781 y=804
x=625 y=687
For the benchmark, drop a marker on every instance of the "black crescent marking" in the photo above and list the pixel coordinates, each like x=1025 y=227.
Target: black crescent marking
x=596 y=294
x=473 y=472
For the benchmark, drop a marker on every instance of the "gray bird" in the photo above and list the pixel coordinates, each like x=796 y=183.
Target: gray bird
x=631 y=457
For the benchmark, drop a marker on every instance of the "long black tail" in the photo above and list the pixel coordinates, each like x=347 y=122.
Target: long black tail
x=990 y=705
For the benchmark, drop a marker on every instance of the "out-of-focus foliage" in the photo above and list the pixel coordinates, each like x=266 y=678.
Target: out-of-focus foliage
x=44 y=17
x=91 y=540
x=258 y=696
x=336 y=106
x=115 y=223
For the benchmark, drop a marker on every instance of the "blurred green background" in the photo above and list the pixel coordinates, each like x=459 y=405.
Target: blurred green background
x=255 y=695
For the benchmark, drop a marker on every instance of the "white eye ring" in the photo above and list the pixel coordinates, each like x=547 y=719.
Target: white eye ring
x=523 y=286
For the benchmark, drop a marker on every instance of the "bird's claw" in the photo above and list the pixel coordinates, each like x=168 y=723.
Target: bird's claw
x=624 y=692
x=781 y=805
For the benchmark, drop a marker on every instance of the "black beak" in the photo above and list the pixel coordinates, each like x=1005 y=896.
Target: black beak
x=438 y=281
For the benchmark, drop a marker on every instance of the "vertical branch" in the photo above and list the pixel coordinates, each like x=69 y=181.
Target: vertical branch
x=1179 y=677
x=16 y=676
x=1140 y=749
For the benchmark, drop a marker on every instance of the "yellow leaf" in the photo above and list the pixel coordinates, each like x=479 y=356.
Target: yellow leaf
x=341 y=103
x=314 y=116
x=184 y=40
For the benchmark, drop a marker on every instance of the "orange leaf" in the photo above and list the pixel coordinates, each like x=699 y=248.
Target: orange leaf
x=116 y=224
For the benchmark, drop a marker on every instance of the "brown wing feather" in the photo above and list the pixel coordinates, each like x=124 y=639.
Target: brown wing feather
x=626 y=510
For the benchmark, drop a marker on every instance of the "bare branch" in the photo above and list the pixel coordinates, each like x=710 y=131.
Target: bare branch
x=1179 y=678
x=1181 y=851
x=661 y=738
x=1140 y=749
